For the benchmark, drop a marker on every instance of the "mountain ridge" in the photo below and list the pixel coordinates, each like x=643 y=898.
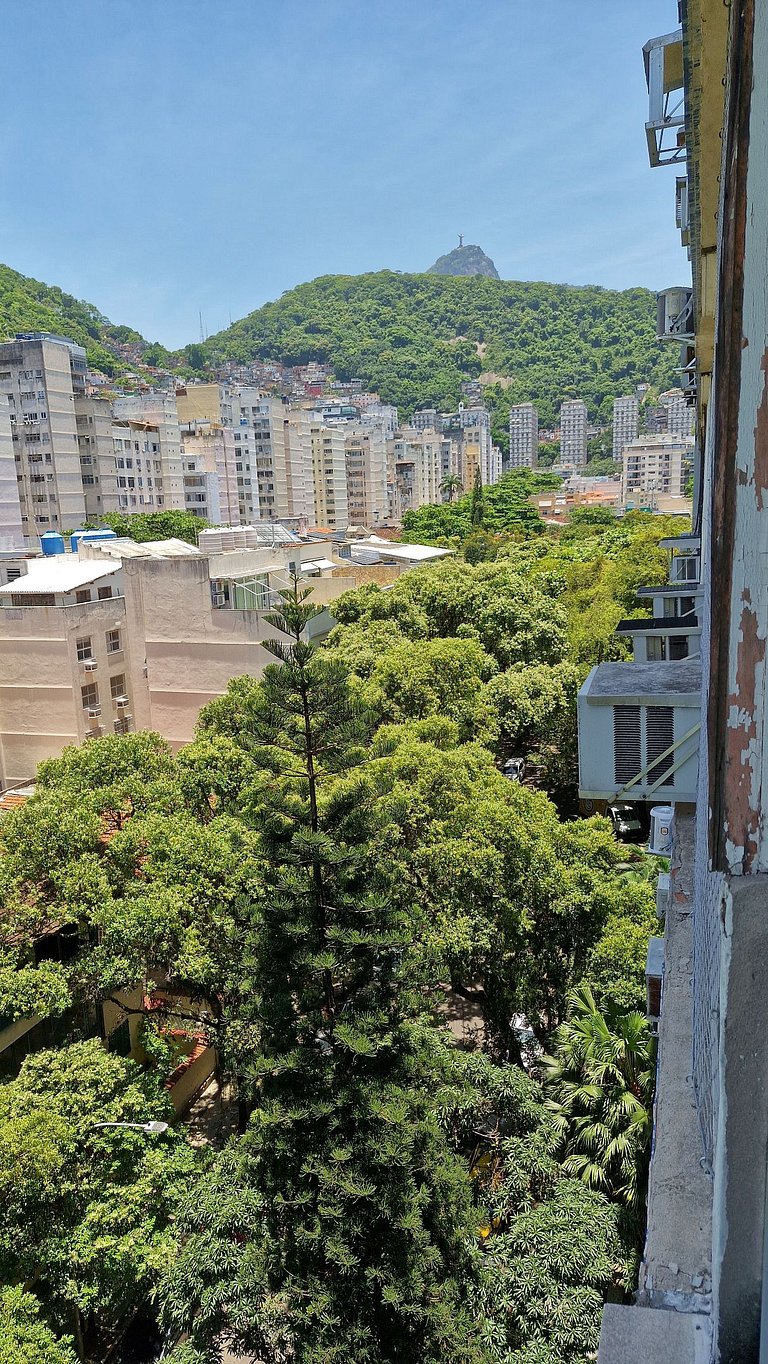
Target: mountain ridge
x=414 y=338
x=464 y=260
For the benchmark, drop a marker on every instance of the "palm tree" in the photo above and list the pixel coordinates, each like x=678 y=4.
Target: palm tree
x=600 y=1084
x=451 y=484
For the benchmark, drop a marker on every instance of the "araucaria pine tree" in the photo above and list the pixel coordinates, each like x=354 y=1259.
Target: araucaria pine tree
x=477 y=505
x=340 y=1226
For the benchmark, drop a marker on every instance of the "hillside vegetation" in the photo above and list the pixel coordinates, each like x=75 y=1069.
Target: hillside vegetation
x=28 y=305
x=415 y=338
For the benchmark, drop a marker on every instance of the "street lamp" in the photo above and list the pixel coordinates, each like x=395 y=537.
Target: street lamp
x=153 y=1128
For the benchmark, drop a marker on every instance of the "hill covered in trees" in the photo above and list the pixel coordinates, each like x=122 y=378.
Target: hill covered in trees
x=415 y=338
x=29 y=305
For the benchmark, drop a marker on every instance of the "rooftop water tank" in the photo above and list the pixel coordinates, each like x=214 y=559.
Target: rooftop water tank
x=75 y=538
x=93 y=536
x=52 y=543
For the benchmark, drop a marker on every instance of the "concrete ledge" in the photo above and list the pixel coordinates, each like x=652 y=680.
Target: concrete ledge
x=645 y=1335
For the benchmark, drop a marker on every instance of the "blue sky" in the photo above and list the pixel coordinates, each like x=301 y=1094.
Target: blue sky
x=163 y=158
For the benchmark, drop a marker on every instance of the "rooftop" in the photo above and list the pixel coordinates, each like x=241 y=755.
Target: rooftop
x=60 y=573
x=637 y=683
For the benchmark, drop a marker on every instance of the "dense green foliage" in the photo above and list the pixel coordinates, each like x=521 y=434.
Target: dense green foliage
x=331 y=865
x=28 y=305
x=600 y=1079
x=416 y=338
x=505 y=507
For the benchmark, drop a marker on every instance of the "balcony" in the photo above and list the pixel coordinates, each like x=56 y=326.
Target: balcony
x=638 y=732
x=665 y=128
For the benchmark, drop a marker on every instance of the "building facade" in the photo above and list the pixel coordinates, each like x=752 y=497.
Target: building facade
x=652 y=466
x=523 y=436
x=12 y=535
x=573 y=432
x=626 y=422
x=40 y=377
x=703 y=1289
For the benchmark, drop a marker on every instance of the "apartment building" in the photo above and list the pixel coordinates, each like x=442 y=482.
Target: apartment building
x=12 y=534
x=41 y=375
x=523 y=436
x=365 y=450
x=626 y=422
x=680 y=414
x=121 y=636
x=654 y=465
x=573 y=432
x=210 y=473
x=702 y=1295
x=152 y=443
x=416 y=470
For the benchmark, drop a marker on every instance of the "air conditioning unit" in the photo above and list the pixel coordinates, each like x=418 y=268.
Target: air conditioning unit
x=90 y=665
x=218 y=599
x=121 y=702
x=674 y=315
x=662 y=830
x=93 y=712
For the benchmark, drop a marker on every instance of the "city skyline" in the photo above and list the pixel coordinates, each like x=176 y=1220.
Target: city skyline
x=258 y=136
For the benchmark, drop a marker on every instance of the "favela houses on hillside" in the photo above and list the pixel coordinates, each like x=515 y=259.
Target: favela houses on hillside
x=383 y=865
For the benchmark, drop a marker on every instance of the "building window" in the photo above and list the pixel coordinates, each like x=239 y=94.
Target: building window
x=117 y=686
x=83 y=646
x=90 y=695
x=655 y=650
x=113 y=641
x=105 y=593
x=82 y=596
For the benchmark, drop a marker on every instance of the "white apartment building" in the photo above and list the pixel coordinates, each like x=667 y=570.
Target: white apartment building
x=121 y=636
x=523 y=436
x=680 y=415
x=210 y=474
x=653 y=467
x=626 y=422
x=152 y=442
x=573 y=432
x=41 y=376
x=328 y=462
x=416 y=470
x=12 y=535
x=366 y=473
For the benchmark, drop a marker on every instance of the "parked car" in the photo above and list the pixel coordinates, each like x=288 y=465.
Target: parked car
x=514 y=769
x=626 y=823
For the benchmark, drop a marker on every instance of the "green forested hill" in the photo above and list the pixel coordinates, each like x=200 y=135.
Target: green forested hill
x=414 y=338
x=28 y=305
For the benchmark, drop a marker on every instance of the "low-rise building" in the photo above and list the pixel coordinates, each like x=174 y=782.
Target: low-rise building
x=121 y=636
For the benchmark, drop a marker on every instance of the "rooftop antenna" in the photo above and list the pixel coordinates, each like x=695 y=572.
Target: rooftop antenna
x=202 y=333
x=461 y=239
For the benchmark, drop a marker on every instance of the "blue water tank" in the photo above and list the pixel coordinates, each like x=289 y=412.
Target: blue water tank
x=75 y=538
x=93 y=536
x=52 y=543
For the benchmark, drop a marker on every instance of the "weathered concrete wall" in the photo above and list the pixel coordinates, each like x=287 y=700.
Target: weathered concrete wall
x=676 y=1267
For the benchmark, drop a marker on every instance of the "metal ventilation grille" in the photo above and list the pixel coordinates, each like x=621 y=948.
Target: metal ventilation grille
x=659 y=736
x=627 y=758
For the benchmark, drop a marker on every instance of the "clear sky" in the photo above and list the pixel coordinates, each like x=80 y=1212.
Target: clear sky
x=163 y=158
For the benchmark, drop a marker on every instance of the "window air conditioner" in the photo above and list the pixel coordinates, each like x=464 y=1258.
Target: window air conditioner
x=90 y=665
x=93 y=712
x=121 y=701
